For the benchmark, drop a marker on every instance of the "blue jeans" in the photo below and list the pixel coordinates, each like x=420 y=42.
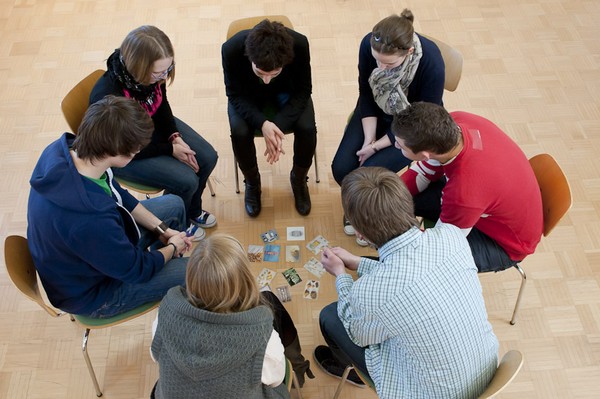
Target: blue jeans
x=174 y=176
x=344 y=350
x=168 y=208
x=345 y=159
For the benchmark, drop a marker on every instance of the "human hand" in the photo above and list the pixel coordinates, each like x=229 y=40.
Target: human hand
x=332 y=263
x=273 y=140
x=181 y=241
x=183 y=153
x=365 y=153
x=350 y=261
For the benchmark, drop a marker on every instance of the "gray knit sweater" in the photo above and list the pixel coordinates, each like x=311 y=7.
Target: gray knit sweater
x=203 y=354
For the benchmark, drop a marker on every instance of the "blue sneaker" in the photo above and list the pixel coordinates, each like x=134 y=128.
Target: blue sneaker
x=205 y=220
x=197 y=233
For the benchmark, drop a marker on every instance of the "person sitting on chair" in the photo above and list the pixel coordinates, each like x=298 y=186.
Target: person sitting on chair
x=491 y=193
x=414 y=321
x=396 y=67
x=88 y=237
x=177 y=159
x=216 y=336
x=268 y=85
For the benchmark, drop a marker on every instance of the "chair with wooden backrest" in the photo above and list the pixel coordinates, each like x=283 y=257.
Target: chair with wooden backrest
x=365 y=379
x=74 y=105
x=23 y=274
x=506 y=372
x=291 y=377
x=453 y=60
x=556 y=201
x=249 y=23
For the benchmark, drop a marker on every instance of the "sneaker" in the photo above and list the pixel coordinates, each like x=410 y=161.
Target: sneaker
x=324 y=358
x=205 y=220
x=348 y=229
x=361 y=242
x=197 y=233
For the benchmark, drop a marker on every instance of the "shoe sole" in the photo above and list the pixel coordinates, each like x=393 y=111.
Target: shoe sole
x=349 y=232
x=337 y=376
x=207 y=225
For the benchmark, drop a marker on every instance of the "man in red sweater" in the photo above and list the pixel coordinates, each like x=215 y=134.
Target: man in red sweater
x=472 y=175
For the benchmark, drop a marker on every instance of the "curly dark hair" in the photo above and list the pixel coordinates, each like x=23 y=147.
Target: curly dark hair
x=426 y=127
x=269 y=46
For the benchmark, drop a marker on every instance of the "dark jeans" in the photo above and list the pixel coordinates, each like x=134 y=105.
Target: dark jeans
x=282 y=322
x=488 y=255
x=344 y=350
x=305 y=137
x=345 y=159
x=172 y=175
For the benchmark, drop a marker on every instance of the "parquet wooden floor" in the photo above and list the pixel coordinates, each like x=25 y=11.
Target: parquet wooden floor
x=533 y=67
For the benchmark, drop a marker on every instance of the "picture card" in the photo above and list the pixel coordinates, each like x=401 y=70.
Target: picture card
x=292 y=253
x=291 y=276
x=255 y=253
x=269 y=236
x=315 y=267
x=296 y=233
x=265 y=277
x=272 y=253
x=283 y=293
x=311 y=289
x=317 y=244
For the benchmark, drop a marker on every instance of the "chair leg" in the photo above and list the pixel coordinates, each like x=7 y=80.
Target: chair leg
x=237 y=177
x=316 y=169
x=86 y=335
x=344 y=378
x=513 y=320
x=296 y=383
x=210 y=187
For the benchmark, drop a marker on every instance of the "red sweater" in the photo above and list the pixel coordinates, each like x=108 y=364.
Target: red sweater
x=491 y=187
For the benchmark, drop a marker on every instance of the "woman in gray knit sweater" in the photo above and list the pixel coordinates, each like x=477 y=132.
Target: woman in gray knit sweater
x=215 y=338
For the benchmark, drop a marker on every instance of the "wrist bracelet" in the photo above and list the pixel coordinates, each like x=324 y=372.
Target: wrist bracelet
x=174 y=136
x=174 y=250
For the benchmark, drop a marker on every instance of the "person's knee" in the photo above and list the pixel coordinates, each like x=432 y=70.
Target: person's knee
x=328 y=318
x=339 y=171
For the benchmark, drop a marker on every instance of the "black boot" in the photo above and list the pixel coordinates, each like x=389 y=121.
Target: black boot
x=299 y=187
x=252 y=191
x=301 y=366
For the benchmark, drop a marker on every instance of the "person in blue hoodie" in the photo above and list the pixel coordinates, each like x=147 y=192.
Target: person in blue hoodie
x=89 y=237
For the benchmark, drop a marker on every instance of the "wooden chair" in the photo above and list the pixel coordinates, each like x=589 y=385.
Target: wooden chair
x=249 y=23
x=556 y=201
x=74 y=105
x=453 y=60
x=23 y=274
x=291 y=377
x=507 y=370
x=368 y=382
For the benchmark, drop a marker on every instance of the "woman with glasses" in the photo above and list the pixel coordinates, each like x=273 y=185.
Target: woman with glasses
x=396 y=67
x=177 y=159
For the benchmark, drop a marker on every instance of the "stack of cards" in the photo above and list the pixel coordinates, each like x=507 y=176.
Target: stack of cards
x=317 y=244
x=315 y=267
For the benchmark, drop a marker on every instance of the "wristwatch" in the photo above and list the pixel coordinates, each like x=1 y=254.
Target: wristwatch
x=161 y=228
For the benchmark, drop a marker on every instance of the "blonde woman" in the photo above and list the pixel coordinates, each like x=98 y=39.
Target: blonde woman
x=215 y=338
x=177 y=159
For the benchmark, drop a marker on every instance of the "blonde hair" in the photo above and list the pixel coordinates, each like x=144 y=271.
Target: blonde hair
x=218 y=277
x=144 y=46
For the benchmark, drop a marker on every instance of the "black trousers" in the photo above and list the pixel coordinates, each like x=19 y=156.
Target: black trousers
x=305 y=138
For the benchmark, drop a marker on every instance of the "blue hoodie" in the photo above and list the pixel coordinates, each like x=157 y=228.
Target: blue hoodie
x=82 y=240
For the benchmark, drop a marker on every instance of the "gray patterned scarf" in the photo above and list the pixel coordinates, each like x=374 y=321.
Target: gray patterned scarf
x=390 y=86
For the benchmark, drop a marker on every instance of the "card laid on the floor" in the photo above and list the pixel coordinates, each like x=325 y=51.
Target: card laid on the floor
x=265 y=277
x=315 y=267
x=272 y=253
x=269 y=236
x=255 y=253
x=296 y=233
x=311 y=289
x=292 y=276
x=317 y=244
x=292 y=253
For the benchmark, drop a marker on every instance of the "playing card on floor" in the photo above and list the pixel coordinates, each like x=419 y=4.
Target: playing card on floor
x=265 y=277
x=317 y=244
x=311 y=289
x=315 y=267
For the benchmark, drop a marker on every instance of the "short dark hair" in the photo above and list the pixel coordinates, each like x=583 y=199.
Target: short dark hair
x=113 y=126
x=394 y=34
x=426 y=127
x=269 y=46
x=378 y=204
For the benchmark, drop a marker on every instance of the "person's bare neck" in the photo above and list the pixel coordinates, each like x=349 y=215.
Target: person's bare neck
x=87 y=168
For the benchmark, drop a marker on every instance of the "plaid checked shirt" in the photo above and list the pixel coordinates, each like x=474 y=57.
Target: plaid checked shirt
x=420 y=314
